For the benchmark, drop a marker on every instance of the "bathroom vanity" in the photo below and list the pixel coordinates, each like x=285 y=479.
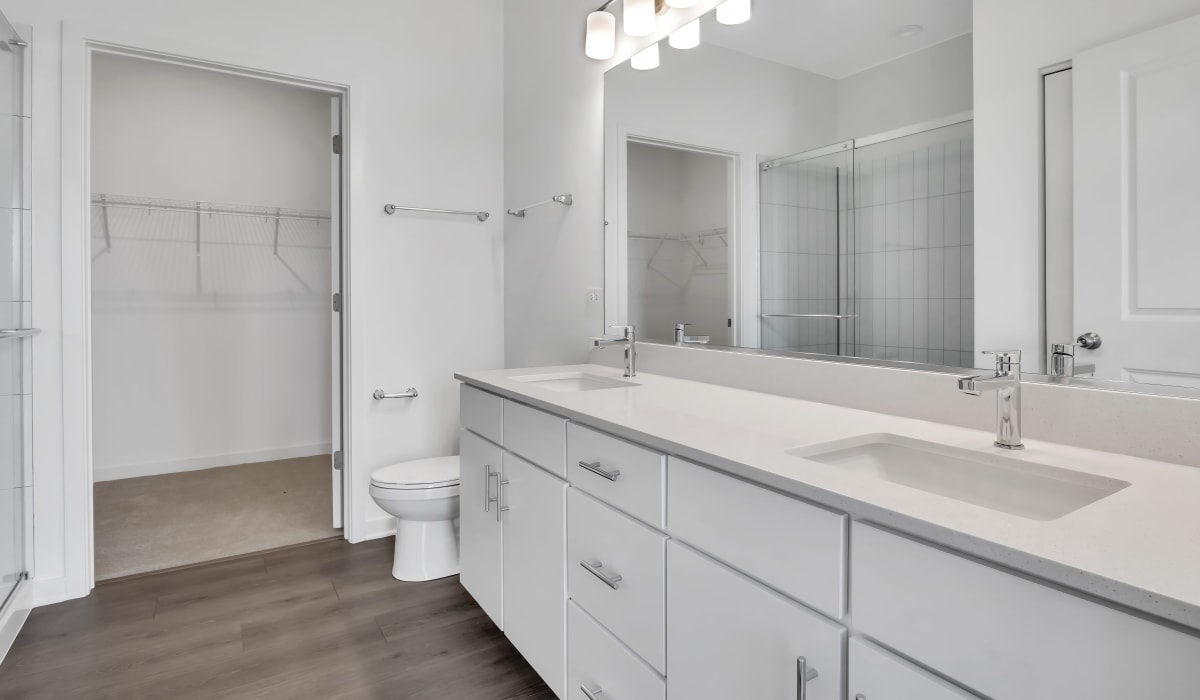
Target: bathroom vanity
x=652 y=537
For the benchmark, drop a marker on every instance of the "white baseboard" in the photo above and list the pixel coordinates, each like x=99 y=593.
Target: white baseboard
x=14 y=615
x=376 y=529
x=129 y=471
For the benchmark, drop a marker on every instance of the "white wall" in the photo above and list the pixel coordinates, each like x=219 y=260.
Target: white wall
x=425 y=128
x=237 y=370
x=930 y=83
x=1013 y=42
x=553 y=143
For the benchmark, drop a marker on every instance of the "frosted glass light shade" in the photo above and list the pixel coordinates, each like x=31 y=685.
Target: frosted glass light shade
x=682 y=4
x=733 y=11
x=646 y=59
x=601 y=40
x=687 y=36
x=639 y=17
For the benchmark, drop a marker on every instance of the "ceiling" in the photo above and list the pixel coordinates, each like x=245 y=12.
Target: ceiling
x=837 y=38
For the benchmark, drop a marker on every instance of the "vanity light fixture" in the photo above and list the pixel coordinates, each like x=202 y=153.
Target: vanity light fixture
x=639 y=17
x=646 y=59
x=600 y=42
x=734 y=11
x=687 y=36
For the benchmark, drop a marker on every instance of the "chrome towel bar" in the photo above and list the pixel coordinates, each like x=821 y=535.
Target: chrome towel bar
x=393 y=208
x=409 y=393
x=19 y=333
x=564 y=199
x=808 y=315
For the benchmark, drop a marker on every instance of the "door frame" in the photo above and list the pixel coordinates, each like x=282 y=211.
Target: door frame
x=80 y=43
x=743 y=252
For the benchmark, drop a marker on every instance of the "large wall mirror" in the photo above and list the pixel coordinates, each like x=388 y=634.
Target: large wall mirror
x=804 y=182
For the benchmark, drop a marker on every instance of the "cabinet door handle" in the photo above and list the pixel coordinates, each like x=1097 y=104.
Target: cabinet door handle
x=594 y=467
x=500 y=507
x=593 y=568
x=591 y=693
x=804 y=674
x=488 y=500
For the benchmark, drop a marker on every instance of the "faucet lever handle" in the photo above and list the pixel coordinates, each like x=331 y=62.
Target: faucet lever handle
x=1005 y=356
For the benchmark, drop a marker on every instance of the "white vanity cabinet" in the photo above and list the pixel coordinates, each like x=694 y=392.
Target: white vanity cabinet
x=532 y=511
x=512 y=525
x=729 y=637
x=877 y=675
x=1008 y=637
x=481 y=536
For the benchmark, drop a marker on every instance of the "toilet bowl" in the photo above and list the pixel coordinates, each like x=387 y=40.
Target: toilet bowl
x=423 y=497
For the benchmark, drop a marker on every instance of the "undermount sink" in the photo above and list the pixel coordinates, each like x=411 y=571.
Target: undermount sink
x=573 y=381
x=1013 y=486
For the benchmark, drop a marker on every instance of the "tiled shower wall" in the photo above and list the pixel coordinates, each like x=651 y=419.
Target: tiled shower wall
x=913 y=252
x=800 y=205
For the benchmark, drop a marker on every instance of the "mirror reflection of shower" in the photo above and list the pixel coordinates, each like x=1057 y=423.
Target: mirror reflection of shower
x=679 y=218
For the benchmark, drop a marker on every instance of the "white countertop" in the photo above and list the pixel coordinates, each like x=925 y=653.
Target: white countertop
x=1139 y=547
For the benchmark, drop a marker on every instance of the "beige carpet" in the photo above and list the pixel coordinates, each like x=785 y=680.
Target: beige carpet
x=159 y=522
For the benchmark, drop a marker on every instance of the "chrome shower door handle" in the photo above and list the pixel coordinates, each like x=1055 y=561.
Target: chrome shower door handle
x=593 y=568
x=804 y=674
x=594 y=467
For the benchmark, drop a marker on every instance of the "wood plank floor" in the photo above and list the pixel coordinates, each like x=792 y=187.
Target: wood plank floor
x=325 y=620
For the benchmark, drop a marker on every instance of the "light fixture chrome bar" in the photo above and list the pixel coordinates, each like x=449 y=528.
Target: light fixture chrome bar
x=809 y=315
x=19 y=333
x=409 y=393
x=393 y=208
x=102 y=201
x=564 y=199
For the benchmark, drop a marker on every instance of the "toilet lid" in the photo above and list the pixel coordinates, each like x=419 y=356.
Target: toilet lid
x=418 y=474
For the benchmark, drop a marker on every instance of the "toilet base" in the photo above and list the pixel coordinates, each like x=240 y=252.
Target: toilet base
x=425 y=550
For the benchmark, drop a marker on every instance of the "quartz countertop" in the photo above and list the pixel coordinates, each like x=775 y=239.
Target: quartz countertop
x=1137 y=547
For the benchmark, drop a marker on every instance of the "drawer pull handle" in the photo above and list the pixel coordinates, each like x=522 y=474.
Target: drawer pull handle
x=594 y=467
x=594 y=570
x=488 y=500
x=804 y=674
x=591 y=693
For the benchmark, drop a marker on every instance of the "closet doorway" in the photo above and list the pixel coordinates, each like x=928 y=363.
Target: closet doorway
x=216 y=321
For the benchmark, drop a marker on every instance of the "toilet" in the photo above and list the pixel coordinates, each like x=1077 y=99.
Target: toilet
x=423 y=497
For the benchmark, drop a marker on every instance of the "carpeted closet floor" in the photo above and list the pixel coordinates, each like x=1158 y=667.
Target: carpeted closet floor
x=159 y=522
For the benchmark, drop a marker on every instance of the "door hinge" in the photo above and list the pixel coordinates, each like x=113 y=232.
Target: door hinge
x=729 y=323
x=337 y=303
x=337 y=144
x=338 y=460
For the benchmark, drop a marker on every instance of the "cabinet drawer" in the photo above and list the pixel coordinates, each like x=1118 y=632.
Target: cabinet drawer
x=796 y=548
x=730 y=637
x=1008 y=637
x=537 y=436
x=481 y=413
x=877 y=675
x=616 y=545
x=598 y=661
x=620 y=473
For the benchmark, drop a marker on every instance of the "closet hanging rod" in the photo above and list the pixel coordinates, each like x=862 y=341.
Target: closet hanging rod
x=809 y=315
x=564 y=199
x=106 y=204
x=393 y=208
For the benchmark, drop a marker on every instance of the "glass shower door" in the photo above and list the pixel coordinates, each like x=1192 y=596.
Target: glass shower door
x=15 y=315
x=806 y=272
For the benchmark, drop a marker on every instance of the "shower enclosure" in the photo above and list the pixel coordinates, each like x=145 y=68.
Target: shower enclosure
x=867 y=248
x=16 y=341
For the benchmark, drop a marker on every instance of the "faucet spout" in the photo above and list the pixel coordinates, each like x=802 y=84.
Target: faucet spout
x=1006 y=382
x=629 y=340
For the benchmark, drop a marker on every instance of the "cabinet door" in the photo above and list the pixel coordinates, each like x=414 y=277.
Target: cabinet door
x=729 y=637
x=534 y=513
x=480 y=544
x=877 y=675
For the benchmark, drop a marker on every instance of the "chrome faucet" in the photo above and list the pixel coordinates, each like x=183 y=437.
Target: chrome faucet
x=1006 y=382
x=1062 y=357
x=681 y=338
x=629 y=340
